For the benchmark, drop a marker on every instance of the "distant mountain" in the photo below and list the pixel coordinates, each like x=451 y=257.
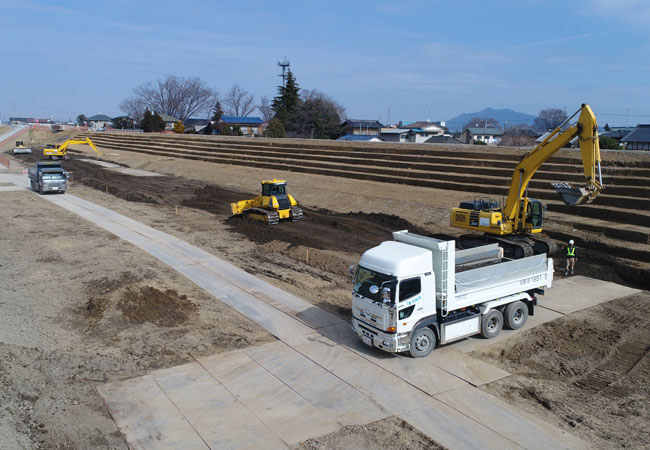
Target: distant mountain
x=506 y=117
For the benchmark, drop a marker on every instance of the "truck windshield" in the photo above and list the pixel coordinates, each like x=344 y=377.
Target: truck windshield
x=365 y=278
x=52 y=176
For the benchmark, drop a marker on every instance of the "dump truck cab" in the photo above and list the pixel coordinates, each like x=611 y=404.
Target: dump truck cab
x=393 y=290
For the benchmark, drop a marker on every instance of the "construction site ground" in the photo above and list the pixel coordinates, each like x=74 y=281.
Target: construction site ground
x=83 y=307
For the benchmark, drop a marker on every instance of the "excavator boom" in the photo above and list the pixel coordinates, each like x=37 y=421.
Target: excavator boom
x=586 y=129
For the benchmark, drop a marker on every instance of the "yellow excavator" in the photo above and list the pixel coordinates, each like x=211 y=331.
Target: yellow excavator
x=517 y=224
x=271 y=206
x=54 y=151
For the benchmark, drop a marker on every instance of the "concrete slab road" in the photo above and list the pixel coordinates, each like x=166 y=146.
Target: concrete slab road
x=317 y=377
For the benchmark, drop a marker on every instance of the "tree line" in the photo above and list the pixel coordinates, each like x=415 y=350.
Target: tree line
x=293 y=112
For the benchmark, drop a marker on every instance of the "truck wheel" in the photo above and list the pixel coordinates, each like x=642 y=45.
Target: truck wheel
x=423 y=342
x=492 y=324
x=516 y=315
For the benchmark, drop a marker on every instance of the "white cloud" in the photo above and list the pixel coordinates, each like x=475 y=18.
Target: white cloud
x=633 y=11
x=553 y=41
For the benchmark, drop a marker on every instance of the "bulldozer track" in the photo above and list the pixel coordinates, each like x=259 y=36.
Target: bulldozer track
x=607 y=379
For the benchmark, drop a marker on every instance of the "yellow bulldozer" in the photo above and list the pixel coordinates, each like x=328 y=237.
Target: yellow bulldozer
x=54 y=151
x=271 y=206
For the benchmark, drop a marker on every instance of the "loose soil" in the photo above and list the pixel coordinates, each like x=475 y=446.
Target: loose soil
x=79 y=308
x=588 y=372
x=390 y=433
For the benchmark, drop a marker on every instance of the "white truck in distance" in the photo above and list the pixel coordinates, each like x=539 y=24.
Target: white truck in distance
x=415 y=292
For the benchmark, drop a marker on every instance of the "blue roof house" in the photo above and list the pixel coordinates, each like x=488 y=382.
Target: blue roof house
x=249 y=126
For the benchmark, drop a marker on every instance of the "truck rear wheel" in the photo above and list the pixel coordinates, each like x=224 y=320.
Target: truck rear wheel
x=516 y=314
x=492 y=324
x=423 y=342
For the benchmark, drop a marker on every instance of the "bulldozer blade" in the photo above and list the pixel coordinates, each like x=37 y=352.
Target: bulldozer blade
x=573 y=195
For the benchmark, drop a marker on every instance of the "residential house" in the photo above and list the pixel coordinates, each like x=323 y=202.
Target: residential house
x=362 y=127
x=169 y=121
x=198 y=124
x=443 y=139
x=617 y=133
x=639 y=139
x=360 y=138
x=419 y=132
x=489 y=135
x=572 y=143
x=249 y=126
x=99 y=122
x=394 y=134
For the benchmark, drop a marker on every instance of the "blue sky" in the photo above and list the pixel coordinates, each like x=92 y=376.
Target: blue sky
x=416 y=59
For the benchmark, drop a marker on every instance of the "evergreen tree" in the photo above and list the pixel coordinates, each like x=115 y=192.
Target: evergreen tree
x=607 y=127
x=147 y=122
x=157 y=123
x=275 y=129
x=286 y=103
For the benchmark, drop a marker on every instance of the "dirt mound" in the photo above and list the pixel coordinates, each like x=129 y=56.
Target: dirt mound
x=389 y=433
x=591 y=370
x=325 y=230
x=165 y=309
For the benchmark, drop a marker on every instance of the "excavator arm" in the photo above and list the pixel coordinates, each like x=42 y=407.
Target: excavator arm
x=586 y=129
x=61 y=150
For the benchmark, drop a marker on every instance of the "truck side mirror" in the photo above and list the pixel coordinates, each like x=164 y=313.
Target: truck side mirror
x=351 y=270
x=385 y=294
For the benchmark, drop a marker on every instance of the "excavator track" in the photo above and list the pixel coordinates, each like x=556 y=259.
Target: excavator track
x=263 y=215
x=543 y=244
x=296 y=214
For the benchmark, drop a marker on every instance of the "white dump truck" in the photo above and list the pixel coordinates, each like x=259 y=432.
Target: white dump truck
x=416 y=292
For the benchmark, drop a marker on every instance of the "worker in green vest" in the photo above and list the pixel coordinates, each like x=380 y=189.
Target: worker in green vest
x=571 y=258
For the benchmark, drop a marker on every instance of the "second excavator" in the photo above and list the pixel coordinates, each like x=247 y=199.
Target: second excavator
x=271 y=206
x=54 y=151
x=517 y=224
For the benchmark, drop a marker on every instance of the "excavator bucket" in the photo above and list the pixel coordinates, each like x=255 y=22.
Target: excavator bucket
x=573 y=195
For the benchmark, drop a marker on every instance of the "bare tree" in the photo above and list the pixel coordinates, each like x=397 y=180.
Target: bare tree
x=134 y=108
x=518 y=136
x=550 y=119
x=266 y=109
x=239 y=102
x=177 y=96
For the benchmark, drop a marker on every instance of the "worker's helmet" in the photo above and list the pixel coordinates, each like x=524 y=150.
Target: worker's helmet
x=571 y=242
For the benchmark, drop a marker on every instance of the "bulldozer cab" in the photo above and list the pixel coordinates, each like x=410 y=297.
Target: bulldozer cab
x=275 y=187
x=19 y=144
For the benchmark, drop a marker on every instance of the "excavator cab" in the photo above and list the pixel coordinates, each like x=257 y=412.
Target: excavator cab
x=534 y=215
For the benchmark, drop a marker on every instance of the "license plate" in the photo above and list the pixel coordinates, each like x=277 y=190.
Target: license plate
x=367 y=340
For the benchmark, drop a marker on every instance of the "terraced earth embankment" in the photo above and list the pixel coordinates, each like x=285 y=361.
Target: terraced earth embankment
x=613 y=231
